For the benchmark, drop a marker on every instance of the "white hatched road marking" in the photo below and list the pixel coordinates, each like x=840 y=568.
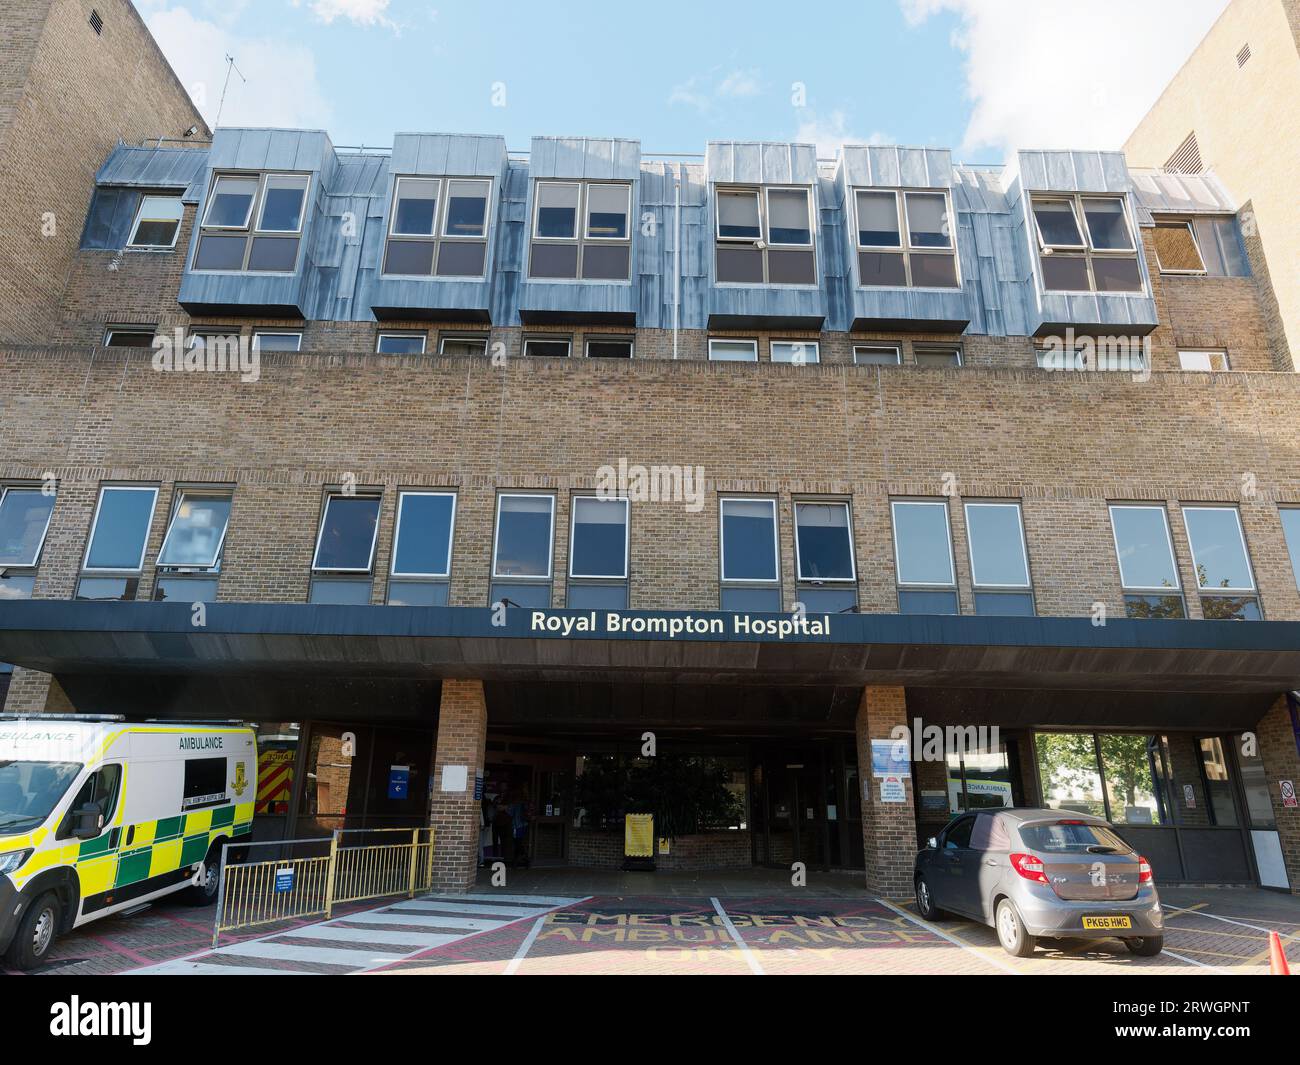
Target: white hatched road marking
x=745 y=952
x=353 y=947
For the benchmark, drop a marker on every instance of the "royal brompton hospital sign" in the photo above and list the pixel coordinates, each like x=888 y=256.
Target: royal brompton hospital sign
x=651 y=625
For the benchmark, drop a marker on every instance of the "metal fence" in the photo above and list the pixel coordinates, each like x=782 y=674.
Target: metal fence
x=292 y=885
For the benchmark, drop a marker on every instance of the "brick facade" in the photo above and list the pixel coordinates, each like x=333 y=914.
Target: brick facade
x=888 y=828
x=455 y=814
x=1279 y=750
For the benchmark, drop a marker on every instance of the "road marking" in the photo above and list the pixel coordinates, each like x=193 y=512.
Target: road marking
x=198 y=968
x=525 y=947
x=1229 y=920
x=274 y=951
x=951 y=939
x=1193 y=961
x=420 y=920
x=750 y=959
x=410 y=941
x=432 y=906
x=540 y=901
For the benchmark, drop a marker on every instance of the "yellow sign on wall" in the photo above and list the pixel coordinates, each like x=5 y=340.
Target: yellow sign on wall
x=639 y=836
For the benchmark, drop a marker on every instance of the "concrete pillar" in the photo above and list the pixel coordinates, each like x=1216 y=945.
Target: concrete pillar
x=1279 y=750
x=454 y=813
x=888 y=828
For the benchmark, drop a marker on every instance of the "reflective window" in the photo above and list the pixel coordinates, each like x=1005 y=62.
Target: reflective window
x=467 y=208
x=1135 y=786
x=1107 y=224
x=749 y=540
x=455 y=345
x=823 y=541
x=277 y=341
x=423 y=538
x=24 y=520
x=787 y=217
x=1221 y=563
x=400 y=344
x=1290 y=517
x=738 y=214
x=1057 y=225
x=348 y=528
x=922 y=543
x=1176 y=249
x=121 y=529
x=1146 y=561
x=548 y=348
x=939 y=356
x=1218 y=782
x=733 y=351
x=599 y=538
x=231 y=204
x=878 y=220
x=609 y=349
x=1203 y=361
x=1068 y=773
x=607 y=211
x=416 y=207
x=999 y=561
x=882 y=355
x=797 y=352
x=557 y=210
x=525 y=524
x=157 y=223
x=927 y=220
x=197 y=531
x=282 y=203
x=1255 y=783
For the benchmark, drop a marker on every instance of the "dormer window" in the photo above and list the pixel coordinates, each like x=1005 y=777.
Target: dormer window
x=581 y=231
x=765 y=236
x=905 y=239
x=157 y=223
x=254 y=223
x=1085 y=244
x=438 y=227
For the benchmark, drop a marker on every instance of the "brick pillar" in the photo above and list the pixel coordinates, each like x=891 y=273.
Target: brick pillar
x=888 y=829
x=29 y=692
x=1277 y=750
x=454 y=815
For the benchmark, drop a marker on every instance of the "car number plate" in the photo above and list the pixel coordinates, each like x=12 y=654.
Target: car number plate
x=1107 y=922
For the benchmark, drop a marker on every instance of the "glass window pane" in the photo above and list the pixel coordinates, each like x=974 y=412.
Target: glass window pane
x=466 y=209
x=1230 y=608
x=185 y=590
x=877 y=356
x=738 y=214
x=599 y=538
x=927 y=220
x=1133 y=782
x=1146 y=558
x=197 y=531
x=1154 y=607
x=911 y=601
x=24 y=517
x=607 y=207
x=537 y=596
x=17 y=586
x=417 y=593
x=1057 y=224
x=997 y=545
x=1117 y=275
x=554 y=349
x=878 y=220
x=1065 y=273
x=598 y=596
x=1291 y=532
x=609 y=349
x=1067 y=771
x=220 y=253
x=282 y=205
x=400 y=344
x=417 y=207
x=341 y=593
x=939 y=358
x=748 y=540
x=422 y=542
x=277 y=341
x=1107 y=225
x=462 y=346
x=232 y=200
x=787 y=217
x=273 y=254
x=157 y=223
x=1218 y=549
x=755 y=600
x=1223 y=807
x=733 y=350
x=829 y=599
x=347 y=533
x=797 y=352
x=1254 y=780
x=923 y=546
x=822 y=536
x=557 y=210
x=121 y=528
x=107 y=589
x=1004 y=604
x=934 y=271
x=524 y=536
x=988 y=781
x=1175 y=248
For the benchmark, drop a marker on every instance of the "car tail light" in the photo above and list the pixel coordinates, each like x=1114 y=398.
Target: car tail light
x=1029 y=866
x=1145 y=875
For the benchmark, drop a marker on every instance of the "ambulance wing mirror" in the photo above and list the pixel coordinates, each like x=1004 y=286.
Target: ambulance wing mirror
x=88 y=822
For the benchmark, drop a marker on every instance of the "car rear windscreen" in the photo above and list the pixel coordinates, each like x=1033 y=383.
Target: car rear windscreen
x=1070 y=836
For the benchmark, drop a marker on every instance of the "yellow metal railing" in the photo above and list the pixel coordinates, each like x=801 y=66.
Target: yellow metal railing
x=259 y=893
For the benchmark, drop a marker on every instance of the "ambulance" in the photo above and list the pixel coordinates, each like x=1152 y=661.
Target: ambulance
x=99 y=816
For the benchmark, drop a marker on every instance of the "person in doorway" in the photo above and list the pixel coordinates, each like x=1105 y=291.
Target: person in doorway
x=521 y=816
x=502 y=827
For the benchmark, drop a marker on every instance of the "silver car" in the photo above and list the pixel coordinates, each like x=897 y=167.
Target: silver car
x=1041 y=874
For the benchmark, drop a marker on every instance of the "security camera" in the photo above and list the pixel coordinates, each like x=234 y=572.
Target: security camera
x=191 y=131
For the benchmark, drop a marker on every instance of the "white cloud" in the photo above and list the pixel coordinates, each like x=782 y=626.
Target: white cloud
x=281 y=88
x=830 y=131
x=739 y=83
x=1065 y=74
x=362 y=12
x=703 y=93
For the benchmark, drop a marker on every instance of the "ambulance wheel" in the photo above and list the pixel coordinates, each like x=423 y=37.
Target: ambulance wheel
x=36 y=933
x=205 y=894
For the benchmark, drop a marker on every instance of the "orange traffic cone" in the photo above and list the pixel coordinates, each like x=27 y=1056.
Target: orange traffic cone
x=1277 y=965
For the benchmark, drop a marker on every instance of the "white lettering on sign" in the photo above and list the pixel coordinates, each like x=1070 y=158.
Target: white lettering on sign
x=612 y=623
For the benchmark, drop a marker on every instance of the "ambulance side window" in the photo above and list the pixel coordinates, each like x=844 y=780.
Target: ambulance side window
x=100 y=788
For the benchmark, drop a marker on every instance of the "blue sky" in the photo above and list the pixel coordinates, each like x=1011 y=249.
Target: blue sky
x=979 y=76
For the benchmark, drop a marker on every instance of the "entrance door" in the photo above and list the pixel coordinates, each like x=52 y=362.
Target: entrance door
x=794 y=809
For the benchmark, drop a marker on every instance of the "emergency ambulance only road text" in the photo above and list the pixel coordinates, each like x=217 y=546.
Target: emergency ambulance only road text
x=612 y=623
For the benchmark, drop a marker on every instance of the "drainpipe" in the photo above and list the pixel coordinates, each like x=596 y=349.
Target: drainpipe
x=677 y=254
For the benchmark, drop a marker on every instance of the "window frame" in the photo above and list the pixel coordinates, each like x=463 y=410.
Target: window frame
x=259 y=333
x=1016 y=505
x=1069 y=200
x=432 y=235
x=338 y=493
x=477 y=337
x=764 y=582
x=905 y=247
x=1245 y=549
x=567 y=341
x=852 y=579
x=906 y=234
x=897 y=349
x=894 y=504
x=252 y=221
x=438 y=234
x=135 y=571
x=585 y=197
x=264 y=189
x=732 y=340
x=901 y=246
x=255 y=176
x=1087 y=251
x=815 y=345
x=393 y=571
x=578 y=228
x=110 y=330
x=939 y=349
x=140 y=217
x=178 y=498
x=1123 y=211
x=444 y=206
x=627 y=540
x=753 y=190
x=1174 y=223
x=765 y=221
x=1210 y=353
x=550 y=549
x=398 y=334
x=9 y=486
x=587 y=341
x=1136 y=589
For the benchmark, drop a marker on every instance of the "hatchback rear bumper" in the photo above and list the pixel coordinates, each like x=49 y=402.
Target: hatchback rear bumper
x=1056 y=918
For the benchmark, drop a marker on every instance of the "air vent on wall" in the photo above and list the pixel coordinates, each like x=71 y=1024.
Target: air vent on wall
x=1243 y=55
x=1187 y=160
x=96 y=22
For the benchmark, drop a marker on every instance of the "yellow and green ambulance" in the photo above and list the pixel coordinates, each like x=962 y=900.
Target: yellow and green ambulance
x=99 y=815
